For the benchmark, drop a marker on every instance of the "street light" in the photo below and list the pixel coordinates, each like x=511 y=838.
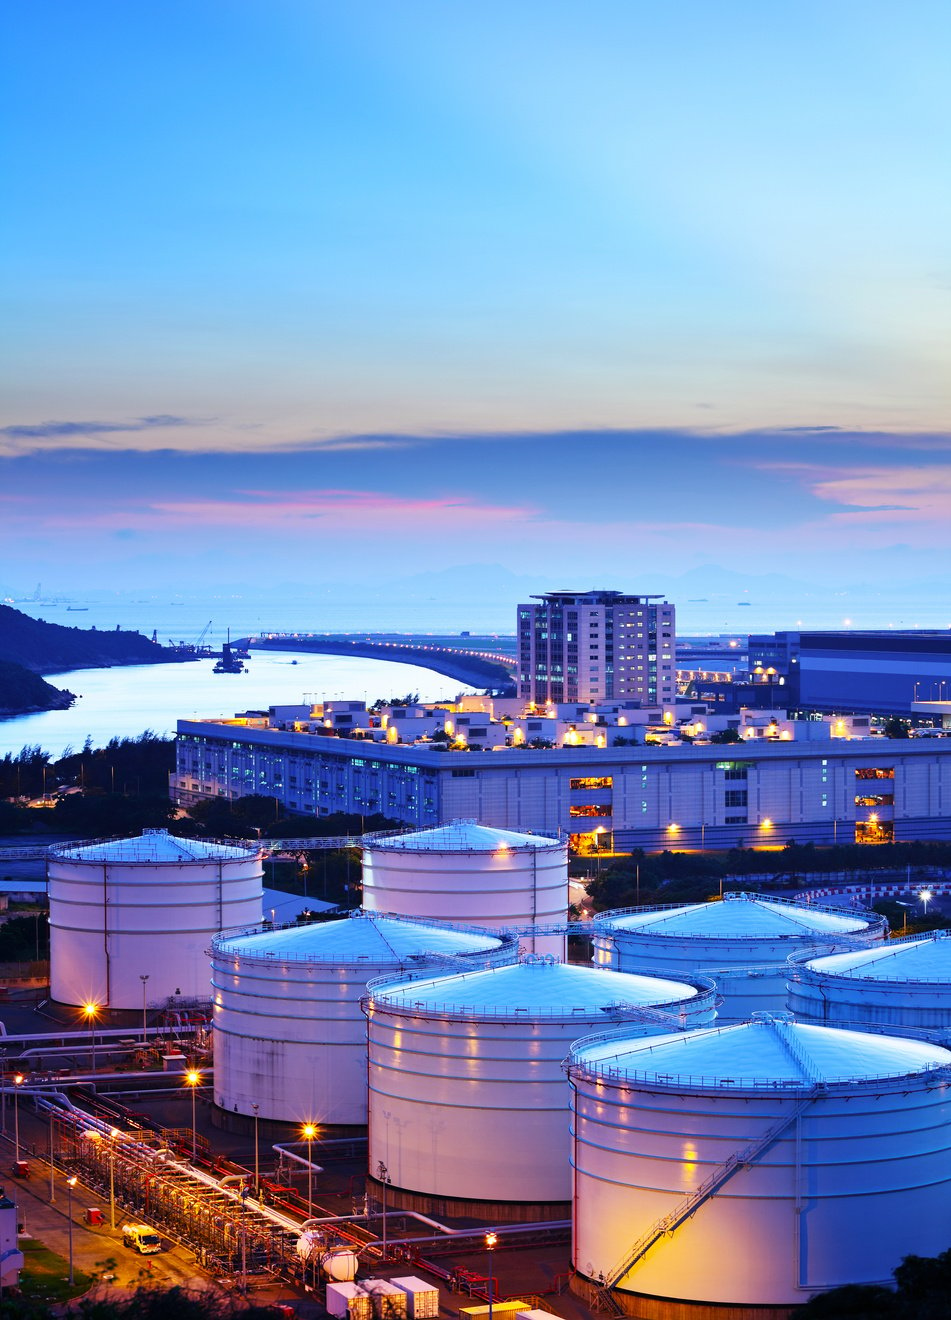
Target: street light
x=143 y=977
x=256 y=1108
x=308 y=1132
x=491 y=1240
x=17 y=1083
x=90 y=1011
x=112 y=1176
x=383 y=1173
x=926 y=896
x=70 y=1184
x=192 y=1079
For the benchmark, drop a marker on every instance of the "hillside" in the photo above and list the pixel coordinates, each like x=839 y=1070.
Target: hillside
x=49 y=648
x=22 y=692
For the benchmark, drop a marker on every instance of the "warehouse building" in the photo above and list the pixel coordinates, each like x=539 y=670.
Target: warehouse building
x=871 y=790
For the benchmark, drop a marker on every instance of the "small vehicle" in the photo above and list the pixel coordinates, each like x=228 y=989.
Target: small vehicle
x=141 y=1238
x=20 y=1169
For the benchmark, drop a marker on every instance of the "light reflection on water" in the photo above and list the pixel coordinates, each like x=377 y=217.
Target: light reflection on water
x=122 y=702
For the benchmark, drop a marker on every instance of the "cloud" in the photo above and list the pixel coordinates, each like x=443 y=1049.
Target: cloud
x=68 y=430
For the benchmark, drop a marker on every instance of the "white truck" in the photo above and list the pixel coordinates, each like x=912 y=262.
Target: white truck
x=141 y=1238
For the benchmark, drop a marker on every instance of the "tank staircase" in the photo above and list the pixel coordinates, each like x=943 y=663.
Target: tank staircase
x=604 y=1299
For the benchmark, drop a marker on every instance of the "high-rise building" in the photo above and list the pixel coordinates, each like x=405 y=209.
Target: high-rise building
x=597 y=646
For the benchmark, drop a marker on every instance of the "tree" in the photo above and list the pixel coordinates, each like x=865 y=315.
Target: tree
x=895 y=728
x=726 y=736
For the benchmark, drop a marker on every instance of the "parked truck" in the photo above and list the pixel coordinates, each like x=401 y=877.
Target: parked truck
x=141 y=1238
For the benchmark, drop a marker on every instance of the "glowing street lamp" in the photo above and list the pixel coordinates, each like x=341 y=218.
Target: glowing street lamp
x=90 y=1012
x=193 y=1079
x=17 y=1083
x=926 y=896
x=491 y=1241
x=308 y=1132
x=70 y=1184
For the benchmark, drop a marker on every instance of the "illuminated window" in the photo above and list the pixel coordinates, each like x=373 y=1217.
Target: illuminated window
x=605 y=781
x=592 y=809
x=875 y=772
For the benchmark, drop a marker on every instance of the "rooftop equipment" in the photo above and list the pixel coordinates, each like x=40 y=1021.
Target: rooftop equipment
x=903 y=984
x=464 y=871
x=289 y=1034
x=132 y=917
x=468 y=1108
x=755 y=1165
x=743 y=942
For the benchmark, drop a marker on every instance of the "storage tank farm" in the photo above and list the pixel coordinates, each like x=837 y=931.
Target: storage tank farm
x=288 y=1028
x=743 y=942
x=905 y=983
x=146 y=906
x=468 y=872
x=468 y=1100
x=755 y=1165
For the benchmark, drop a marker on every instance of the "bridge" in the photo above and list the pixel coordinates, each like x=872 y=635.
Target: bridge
x=486 y=666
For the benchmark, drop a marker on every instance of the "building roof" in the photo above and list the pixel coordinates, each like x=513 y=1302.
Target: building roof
x=463 y=836
x=535 y=987
x=768 y=1051
x=920 y=958
x=370 y=937
x=156 y=847
x=739 y=916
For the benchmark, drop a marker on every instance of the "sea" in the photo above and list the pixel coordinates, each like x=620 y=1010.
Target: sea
x=124 y=701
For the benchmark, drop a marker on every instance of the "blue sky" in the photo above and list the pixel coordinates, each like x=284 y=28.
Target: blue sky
x=586 y=282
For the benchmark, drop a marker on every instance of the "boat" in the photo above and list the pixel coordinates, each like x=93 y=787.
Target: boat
x=77 y=609
x=230 y=662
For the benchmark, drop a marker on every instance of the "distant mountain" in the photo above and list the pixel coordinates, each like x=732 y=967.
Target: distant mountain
x=49 y=648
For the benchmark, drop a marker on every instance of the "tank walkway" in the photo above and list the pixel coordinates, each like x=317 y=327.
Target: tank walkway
x=668 y=1224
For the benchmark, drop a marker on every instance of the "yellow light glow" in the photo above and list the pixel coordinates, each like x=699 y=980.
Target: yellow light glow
x=672 y=829
x=18 y=1079
x=309 y=1131
x=766 y=823
x=491 y=1239
x=90 y=1010
x=193 y=1077
x=71 y=1182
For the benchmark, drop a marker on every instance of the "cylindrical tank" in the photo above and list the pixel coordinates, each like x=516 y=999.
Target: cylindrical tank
x=289 y=1032
x=128 y=909
x=905 y=983
x=467 y=1094
x=468 y=872
x=743 y=942
x=756 y=1164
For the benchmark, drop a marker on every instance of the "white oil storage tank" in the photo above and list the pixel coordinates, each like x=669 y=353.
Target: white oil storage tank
x=904 y=983
x=468 y=1103
x=755 y=1165
x=125 y=909
x=289 y=1032
x=469 y=872
x=743 y=942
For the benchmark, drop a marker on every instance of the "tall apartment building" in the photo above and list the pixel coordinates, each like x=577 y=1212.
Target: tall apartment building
x=596 y=646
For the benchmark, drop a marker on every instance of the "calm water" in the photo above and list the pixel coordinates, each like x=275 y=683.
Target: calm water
x=122 y=702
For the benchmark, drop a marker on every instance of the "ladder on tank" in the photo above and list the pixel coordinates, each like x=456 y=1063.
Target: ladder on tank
x=668 y=1224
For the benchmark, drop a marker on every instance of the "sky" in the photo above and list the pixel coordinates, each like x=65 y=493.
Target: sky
x=598 y=293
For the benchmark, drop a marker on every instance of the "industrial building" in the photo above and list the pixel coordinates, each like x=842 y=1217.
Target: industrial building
x=130 y=919
x=744 y=943
x=865 y=790
x=468 y=1103
x=755 y=1165
x=596 y=646
x=905 y=983
x=289 y=1032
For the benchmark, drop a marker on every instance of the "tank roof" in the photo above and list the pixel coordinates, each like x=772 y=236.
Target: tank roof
x=739 y=916
x=769 y=1051
x=155 y=847
x=919 y=958
x=534 y=987
x=464 y=836
x=369 y=937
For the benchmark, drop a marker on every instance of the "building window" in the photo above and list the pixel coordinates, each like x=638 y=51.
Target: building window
x=592 y=809
x=875 y=772
x=735 y=797
x=604 y=781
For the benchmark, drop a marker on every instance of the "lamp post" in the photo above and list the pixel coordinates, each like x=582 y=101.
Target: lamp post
x=112 y=1176
x=90 y=1010
x=491 y=1240
x=308 y=1132
x=383 y=1173
x=17 y=1083
x=256 y=1109
x=70 y=1184
x=52 y=1160
x=192 y=1079
x=925 y=896
x=143 y=977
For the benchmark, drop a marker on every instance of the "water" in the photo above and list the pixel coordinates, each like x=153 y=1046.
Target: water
x=122 y=702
